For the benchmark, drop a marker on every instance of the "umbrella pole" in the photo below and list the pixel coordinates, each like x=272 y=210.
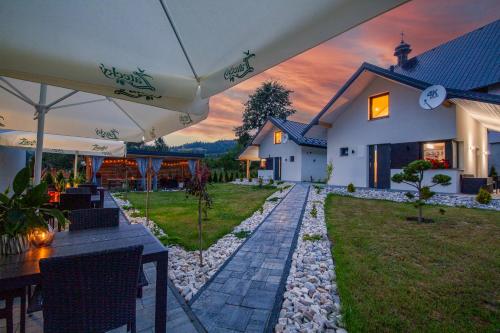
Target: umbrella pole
x=148 y=183
x=41 y=110
x=75 y=168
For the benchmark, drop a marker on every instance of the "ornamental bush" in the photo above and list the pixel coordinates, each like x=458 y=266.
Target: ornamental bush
x=351 y=188
x=483 y=196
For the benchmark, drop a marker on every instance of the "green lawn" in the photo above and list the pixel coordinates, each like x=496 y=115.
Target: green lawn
x=399 y=276
x=177 y=215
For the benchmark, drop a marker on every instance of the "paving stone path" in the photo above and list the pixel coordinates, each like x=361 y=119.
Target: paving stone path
x=245 y=294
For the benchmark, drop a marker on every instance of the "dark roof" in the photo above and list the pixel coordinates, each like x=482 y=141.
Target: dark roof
x=451 y=93
x=295 y=131
x=468 y=62
x=165 y=154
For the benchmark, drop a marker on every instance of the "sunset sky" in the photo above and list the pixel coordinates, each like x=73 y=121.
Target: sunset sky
x=317 y=74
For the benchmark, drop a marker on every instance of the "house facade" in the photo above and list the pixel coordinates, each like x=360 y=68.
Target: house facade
x=284 y=154
x=375 y=125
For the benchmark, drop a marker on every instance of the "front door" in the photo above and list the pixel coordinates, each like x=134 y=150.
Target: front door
x=277 y=168
x=379 y=160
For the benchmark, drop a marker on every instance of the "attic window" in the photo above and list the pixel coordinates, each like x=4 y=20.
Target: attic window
x=379 y=106
x=277 y=137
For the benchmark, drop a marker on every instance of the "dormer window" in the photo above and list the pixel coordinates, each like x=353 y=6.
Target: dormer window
x=378 y=106
x=277 y=137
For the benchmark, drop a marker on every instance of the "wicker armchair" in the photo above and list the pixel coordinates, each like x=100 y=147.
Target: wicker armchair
x=101 y=218
x=92 y=187
x=94 y=292
x=7 y=311
x=73 y=190
x=94 y=218
x=73 y=201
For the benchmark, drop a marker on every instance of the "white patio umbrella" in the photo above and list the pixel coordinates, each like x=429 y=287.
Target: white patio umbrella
x=61 y=144
x=167 y=53
x=70 y=113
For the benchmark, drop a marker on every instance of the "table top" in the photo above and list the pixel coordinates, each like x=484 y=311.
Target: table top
x=23 y=269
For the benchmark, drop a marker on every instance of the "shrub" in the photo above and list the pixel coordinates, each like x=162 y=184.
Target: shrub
x=329 y=171
x=250 y=179
x=242 y=234
x=314 y=211
x=493 y=172
x=271 y=181
x=261 y=181
x=318 y=188
x=273 y=199
x=351 y=188
x=312 y=238
x=483 y=197
x=49 y=179
x=279 y=182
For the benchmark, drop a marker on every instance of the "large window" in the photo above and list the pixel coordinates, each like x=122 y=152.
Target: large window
x=379 y=106
x=277 y=137
x=434 y=151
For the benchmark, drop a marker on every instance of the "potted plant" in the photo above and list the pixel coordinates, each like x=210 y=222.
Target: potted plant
x=24 y=211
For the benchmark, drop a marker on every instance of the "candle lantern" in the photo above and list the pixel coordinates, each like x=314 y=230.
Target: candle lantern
x=40 y=237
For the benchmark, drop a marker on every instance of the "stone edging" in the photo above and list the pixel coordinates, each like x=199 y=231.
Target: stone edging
x=228 y=259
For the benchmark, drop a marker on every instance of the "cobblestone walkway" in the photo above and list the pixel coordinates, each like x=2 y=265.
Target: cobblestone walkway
x=246 y=294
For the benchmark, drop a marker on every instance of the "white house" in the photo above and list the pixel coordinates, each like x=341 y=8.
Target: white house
x=285 y=154
x=375 y=125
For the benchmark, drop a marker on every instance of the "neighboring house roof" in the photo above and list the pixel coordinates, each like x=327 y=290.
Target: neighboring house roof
x=388 y=74
x=468 y=62
x=294 y=130
x=164 y=154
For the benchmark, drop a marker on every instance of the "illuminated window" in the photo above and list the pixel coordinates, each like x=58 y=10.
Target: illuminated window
x=379 y=106
x=263 y=163
x=277 y=137
x=434 y=151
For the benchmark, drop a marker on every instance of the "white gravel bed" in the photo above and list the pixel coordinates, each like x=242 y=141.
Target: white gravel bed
x=453 y=200
x=311 y=302
x=183 y=266
x=255 y=181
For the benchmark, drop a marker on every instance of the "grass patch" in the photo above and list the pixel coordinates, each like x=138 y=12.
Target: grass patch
x=399 y=276
x=177 y=215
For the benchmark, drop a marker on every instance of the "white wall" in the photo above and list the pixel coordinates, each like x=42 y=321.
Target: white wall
x=407 y=122
x=473 y=149
x=316 y=131
x=289 y=170
x=11 y=161
x=454 y=187
x=313 y=163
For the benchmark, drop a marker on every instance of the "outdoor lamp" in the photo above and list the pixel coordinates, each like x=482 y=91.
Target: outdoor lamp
x=40 y=237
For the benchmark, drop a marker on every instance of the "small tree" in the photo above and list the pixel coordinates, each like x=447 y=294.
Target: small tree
x=329 y=171
x=493 y=171
x=413 y=175
x=197 y=187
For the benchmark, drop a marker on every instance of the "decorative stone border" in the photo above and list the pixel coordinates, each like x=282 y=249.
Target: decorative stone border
x=311 y=301
x=183 y=266
x=452 y=200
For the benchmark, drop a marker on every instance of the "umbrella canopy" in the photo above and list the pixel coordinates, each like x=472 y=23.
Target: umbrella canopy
x=160 y=52
x=63 y=144
x=90 y=116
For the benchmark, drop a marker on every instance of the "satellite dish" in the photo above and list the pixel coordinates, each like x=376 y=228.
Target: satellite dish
x=432 y=97
x=285 y=138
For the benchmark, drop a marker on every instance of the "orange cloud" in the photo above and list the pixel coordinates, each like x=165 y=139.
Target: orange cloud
x=317 y=74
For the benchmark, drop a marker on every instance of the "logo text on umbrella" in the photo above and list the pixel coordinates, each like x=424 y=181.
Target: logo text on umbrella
x=241 y=70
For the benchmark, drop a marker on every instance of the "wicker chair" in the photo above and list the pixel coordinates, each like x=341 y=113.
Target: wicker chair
x=7 y=312
x=92 y=187
x=73 y=201
x=74 y=190
x=82 y=219
x=94 y=292
x=94 y=218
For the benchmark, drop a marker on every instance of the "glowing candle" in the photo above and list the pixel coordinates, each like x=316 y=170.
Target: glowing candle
x=41 y=237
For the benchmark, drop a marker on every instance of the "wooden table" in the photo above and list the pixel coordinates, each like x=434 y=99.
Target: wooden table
x=22 y=270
